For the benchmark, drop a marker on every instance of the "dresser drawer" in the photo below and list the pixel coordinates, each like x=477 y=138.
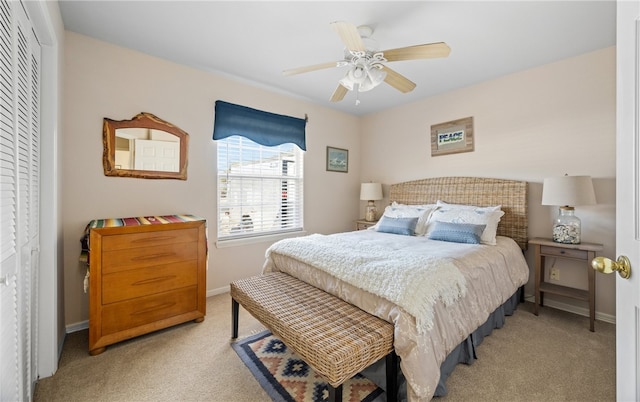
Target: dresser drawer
x=149 y=239
x=134 y=283
x=562 y=252
x=121 y=260
x=132 y=313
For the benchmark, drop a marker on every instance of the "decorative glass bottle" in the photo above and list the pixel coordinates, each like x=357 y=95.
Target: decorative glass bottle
x=566 y=228
x=371 y=212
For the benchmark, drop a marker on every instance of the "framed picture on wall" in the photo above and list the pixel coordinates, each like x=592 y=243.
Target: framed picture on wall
x=452 y=137
x=337 y=160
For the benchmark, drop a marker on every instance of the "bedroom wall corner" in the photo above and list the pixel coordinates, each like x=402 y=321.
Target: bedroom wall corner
x=103 y=80
x=543 y=122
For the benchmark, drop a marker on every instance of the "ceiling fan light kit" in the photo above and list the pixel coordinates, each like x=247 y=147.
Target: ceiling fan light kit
x=367 y=64
x=366 y=72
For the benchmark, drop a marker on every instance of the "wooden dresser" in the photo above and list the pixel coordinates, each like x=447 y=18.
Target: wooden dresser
x=146 y=273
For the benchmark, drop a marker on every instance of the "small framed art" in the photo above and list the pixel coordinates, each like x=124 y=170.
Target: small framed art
x=337 y=160
x=452 y=137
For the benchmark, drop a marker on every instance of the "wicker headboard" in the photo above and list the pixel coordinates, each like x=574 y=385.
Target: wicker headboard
x=511 y=194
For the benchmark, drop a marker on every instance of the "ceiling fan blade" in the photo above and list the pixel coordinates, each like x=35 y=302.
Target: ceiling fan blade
x=349 y=35
x=307 y=69
x=398 y=81
x=339 y=94
x=426 y=51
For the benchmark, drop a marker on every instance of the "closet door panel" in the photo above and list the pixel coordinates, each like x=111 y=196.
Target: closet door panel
x=9 y=349
x=19 y=201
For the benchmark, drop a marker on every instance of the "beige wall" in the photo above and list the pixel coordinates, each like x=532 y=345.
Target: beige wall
x=551 y=120
x=547 y=121
x=102 y=80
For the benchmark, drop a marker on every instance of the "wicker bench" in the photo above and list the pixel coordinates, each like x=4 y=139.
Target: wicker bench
x=335 y=338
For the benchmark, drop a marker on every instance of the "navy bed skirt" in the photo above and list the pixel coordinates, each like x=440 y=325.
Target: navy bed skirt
x=465 y=352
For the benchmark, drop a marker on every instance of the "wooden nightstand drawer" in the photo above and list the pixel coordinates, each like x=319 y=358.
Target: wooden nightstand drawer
x=563 y=252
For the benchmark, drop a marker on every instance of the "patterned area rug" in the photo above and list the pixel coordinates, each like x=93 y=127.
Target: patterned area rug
x=285 y=377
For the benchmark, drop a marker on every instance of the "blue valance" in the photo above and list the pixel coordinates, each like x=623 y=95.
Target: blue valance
x=265 y=128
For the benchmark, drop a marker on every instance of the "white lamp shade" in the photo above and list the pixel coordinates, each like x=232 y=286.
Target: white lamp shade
x=370 y=191
x=568 y=191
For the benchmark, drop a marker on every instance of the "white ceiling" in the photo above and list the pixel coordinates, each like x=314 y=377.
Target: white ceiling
x=255 y=41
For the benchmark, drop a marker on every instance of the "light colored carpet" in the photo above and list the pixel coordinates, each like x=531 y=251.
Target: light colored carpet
x=552 y=357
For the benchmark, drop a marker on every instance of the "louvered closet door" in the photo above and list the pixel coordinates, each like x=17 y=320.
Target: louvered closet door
x=19 y=201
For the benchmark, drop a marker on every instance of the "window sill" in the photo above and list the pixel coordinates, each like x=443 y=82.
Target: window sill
x=258 y=239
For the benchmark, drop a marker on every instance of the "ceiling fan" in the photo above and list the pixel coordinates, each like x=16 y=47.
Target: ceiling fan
x=367 y=68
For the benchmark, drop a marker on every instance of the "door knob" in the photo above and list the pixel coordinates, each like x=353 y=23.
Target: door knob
x=607 y=266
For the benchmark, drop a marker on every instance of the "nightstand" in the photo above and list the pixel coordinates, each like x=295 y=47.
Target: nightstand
x=362 y=224
x=582 y=252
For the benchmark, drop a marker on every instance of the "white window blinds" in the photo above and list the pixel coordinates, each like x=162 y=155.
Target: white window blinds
x=260 y=188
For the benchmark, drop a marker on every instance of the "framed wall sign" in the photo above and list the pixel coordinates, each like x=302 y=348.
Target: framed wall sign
x=452 y=137
x=337 y=160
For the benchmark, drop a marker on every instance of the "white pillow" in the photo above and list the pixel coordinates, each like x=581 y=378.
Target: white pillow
x=441 y=203
x=477 y=216
x=422 y=212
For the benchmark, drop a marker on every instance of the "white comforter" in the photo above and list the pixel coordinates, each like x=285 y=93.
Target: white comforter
x=419 y=279
x=489 y=275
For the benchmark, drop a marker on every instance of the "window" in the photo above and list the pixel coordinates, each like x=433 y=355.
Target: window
x=260 y=188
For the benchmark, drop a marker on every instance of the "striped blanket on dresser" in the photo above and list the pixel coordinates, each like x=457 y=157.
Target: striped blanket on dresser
x=132 y=221
x=140 y=220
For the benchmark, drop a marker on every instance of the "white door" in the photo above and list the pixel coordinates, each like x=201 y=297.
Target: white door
x=628 y=201
x=161 y=156
x=19 y=201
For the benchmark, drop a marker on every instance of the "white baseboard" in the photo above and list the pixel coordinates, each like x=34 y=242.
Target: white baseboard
x=611 y=319
x=218 y=291
x=583 y=311
x=82 y=325
x=78 y=326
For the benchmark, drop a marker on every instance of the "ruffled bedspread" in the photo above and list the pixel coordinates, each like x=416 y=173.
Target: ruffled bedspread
x=426 y=331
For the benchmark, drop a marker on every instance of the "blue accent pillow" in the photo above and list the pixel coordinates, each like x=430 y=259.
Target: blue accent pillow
x=401 y=226
x=457 y=232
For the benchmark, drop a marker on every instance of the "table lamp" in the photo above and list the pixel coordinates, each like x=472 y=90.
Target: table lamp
x=370 y=192
x=567 y=192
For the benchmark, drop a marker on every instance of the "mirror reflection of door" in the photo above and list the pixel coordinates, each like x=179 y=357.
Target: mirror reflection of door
x=161 y=156
x=147 y=149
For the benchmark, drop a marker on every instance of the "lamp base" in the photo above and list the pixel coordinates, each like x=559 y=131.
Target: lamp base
x=371 y=212
x=566 y=227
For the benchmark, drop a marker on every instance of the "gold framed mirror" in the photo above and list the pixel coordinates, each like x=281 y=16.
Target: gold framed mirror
x=146 y=147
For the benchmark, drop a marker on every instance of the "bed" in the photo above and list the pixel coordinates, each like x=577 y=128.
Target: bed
x=442 y=295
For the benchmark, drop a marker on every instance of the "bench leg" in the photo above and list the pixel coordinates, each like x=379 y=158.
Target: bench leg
x=392 y=376
x=335 y=394
x=235 y=309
